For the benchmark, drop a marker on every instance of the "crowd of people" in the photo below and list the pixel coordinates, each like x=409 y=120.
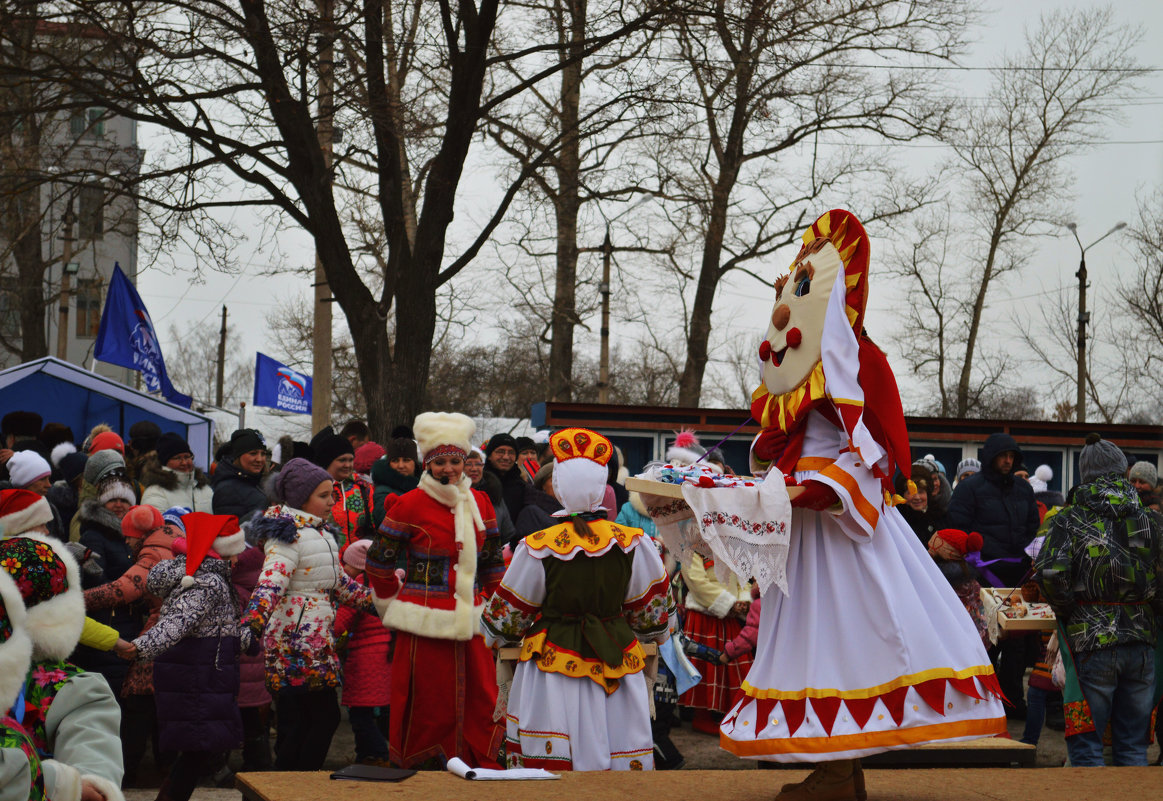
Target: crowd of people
x=183 y=611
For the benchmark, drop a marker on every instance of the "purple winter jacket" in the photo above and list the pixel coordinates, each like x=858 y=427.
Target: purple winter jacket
x=195 y=647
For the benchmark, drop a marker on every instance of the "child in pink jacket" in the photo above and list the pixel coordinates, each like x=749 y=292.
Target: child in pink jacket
x=367 y=670
x=744 y=642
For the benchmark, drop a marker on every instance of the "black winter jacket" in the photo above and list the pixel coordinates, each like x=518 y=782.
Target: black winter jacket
x=1001 y=508
x=537 y=514
x=237 y=493
x=101 y=533
x=512 y=488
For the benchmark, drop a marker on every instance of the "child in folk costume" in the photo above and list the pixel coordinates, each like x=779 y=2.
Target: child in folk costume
x=70 y=714
x=870 y=649
x=195 y=648
x=715 y=613
x=582 y=594
x=292 y=609
x=443 y=535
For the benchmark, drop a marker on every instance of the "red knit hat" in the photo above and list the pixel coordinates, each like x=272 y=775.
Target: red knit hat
x=141 y=521
x=366 y=455
x=966 y=543
x=107 y=441
x=21 y=510
x=207 y=533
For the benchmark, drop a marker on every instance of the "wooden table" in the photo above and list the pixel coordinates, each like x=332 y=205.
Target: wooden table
x=973 y=784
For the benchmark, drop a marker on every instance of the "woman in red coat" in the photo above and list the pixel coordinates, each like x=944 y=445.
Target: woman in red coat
x=444 y=536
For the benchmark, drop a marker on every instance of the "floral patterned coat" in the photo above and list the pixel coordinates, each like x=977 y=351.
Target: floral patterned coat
x=293 y=605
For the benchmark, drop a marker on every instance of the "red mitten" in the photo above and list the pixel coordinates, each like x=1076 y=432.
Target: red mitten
x=816 y=495
x=769 y=445
x=386 y=586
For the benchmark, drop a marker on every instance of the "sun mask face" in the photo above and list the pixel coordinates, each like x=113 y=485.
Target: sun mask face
x=792 y=346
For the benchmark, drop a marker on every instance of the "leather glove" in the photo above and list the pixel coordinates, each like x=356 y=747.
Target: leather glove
x=816 y=495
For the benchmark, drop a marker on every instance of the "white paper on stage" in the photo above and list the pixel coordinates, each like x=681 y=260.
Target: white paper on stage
x=460 y=768
x=747 y=529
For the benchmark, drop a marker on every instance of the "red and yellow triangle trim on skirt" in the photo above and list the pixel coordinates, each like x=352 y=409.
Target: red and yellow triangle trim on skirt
x=766 y=722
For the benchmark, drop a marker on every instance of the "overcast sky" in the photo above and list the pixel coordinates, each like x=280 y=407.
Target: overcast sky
x=1108 y=178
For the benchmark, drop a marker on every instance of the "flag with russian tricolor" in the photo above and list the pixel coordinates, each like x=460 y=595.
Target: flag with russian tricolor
x=279 y=387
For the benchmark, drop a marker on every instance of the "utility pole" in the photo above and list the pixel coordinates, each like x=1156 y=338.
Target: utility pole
x=66 y=283
x=221 y=360
x=1084 y=318
x=604 y=355
x=321 y=339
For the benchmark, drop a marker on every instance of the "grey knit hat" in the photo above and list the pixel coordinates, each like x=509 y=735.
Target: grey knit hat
x=1099 y=457
x=101 y=464
x=1145 y=471
x=297 y=480
x=969 y=465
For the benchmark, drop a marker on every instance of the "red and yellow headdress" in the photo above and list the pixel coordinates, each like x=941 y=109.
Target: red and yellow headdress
x=580 y=443
x=580 y=469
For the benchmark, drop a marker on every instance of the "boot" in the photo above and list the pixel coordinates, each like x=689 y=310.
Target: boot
x=841 y=780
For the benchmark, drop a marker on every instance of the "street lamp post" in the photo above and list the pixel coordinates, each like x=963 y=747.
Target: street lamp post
x=604 y=290
x=1084 y=317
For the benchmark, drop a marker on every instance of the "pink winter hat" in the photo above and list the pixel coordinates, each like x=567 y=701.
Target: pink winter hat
x=366 y=455
x=355 y=555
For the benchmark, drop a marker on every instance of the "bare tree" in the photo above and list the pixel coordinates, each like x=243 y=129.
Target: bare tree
x=62 y=176
x=193 y=364
x=290 y=328
x=598 y=107
x=1113 y=372
x=1141 y=295
x=1046 y=104
x=761 y=83
x=245 y=88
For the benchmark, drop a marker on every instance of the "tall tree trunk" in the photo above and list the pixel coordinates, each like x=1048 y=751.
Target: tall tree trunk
x=566 y=207
x=30 y=266
x=690 y=386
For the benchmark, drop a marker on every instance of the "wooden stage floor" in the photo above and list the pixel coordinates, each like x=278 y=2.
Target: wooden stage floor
x=709 y=785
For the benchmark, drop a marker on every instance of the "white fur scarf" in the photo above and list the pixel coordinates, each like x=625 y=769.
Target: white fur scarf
x=466 y=516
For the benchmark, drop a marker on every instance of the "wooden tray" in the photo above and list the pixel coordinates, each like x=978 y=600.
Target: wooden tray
x=1018 y=623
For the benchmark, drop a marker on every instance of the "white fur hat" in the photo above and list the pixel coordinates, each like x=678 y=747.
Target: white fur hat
x=15 y=646
x=443 y=432
x=50 y=583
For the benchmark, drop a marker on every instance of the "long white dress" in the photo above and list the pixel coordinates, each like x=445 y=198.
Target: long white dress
x=870 y=650
x=570 y=722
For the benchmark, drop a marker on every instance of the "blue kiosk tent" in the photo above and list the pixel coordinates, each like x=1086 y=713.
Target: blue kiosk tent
x=62 y=392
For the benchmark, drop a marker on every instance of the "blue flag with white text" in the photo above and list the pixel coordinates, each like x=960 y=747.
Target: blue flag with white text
x=127 y=338
x=279 y=387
